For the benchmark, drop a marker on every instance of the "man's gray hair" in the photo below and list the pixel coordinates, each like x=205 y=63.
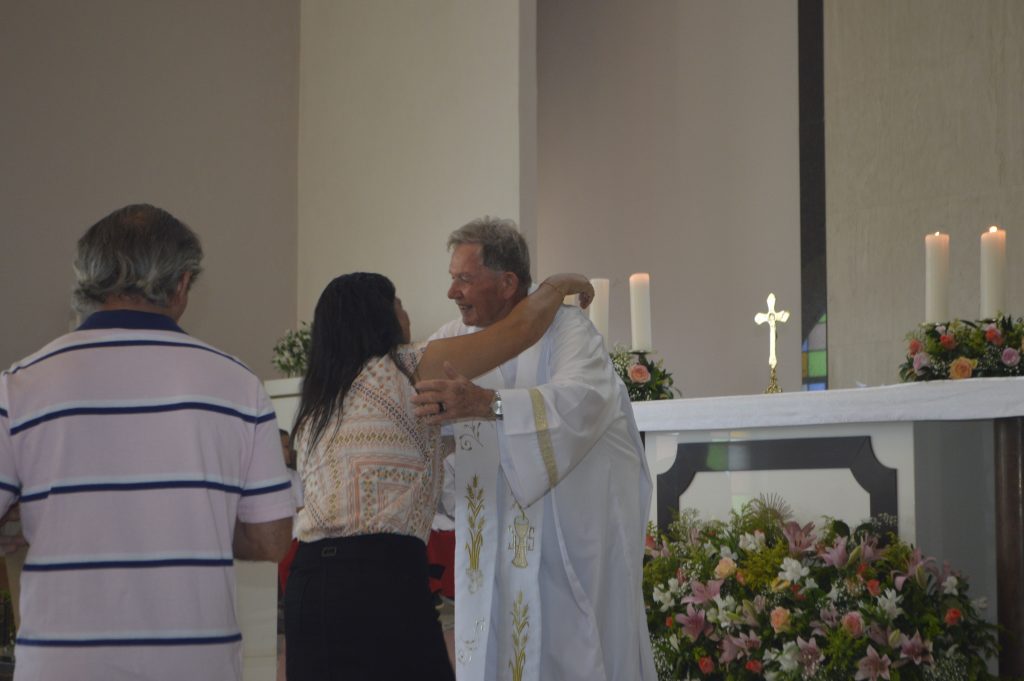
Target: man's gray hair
x=503 y=247
x=138 y=251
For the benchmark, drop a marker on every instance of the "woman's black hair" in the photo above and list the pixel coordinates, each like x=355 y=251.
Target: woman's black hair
x=354 y=322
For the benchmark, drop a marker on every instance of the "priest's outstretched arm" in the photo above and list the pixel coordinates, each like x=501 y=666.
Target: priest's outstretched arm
x=547 y=430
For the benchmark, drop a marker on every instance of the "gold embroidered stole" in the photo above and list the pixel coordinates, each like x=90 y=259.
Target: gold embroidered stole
x=497 y=553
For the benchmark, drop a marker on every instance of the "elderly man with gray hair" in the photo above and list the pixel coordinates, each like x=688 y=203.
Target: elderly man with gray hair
x=143 y=462
x=552 y=489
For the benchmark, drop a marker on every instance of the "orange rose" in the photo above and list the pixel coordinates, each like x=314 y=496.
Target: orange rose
x=874 y=587
x=952 y=617
x=706 y=664
x=961 y=367
x=993 y=335
x=725 y=568
x=914 y=348
x=947 y=341
x=780 y=619
x=754 y=666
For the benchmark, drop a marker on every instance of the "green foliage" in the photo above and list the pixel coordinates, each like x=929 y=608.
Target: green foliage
x=644 y=378
x=291 y=353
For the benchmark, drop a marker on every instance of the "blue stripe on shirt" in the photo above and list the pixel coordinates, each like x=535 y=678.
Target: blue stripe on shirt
x=98 y=642
x=131 y=486
x=128 y=564
x=267 y=490
x=126 y=343
x=140 y=409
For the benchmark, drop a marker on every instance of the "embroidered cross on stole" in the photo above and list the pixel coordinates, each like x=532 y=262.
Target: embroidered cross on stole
x=497 y=555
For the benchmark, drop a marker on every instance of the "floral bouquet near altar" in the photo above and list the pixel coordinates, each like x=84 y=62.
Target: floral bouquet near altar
x=962 y=349
x=763 y=597
x=291 y=353
x=644 y=379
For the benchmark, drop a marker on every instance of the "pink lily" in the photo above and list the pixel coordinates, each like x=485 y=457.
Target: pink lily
x=704 y=593
x=801 y=539
x=693 y=622
x=873 y=667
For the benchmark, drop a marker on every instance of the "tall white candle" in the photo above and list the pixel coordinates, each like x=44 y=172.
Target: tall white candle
x=640 y=310
x=993 y=272
x=936 y=277
x=599 y=308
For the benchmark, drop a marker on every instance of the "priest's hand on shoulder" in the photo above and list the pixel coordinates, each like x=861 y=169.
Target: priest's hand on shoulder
x=442 y=401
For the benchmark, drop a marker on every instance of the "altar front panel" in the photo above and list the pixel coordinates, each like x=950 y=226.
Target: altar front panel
x=810 y=492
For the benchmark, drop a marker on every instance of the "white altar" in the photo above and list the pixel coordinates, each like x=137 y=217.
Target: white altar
x=923 y=452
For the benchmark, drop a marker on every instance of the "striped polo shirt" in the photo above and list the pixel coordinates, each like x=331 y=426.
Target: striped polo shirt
x=134 y=448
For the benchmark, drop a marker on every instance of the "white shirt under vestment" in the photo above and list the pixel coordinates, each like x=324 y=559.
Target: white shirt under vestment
x=556 y=496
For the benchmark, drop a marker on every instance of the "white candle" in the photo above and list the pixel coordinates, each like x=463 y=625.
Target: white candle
x=640 y=310
x=599 y=308
x=936 y=277
x=993 y=272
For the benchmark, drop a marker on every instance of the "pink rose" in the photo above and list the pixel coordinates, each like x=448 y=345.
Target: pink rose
x=921 y=362
x=638 y=373
x=853 y=623
x=947 y=341
x=1011 y=357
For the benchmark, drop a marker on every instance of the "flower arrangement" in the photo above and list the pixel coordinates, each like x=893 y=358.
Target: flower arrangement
x=291 y=352
x=644 y=379
x=763 y=597
x=962 y=349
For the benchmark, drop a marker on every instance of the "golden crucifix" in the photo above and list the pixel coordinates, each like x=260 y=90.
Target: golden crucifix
x=773 y=318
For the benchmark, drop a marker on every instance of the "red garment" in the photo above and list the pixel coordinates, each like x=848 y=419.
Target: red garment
x=441 y=551
x=286 y=564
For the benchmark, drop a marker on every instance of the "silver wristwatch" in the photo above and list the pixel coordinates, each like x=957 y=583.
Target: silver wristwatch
x=496 y=405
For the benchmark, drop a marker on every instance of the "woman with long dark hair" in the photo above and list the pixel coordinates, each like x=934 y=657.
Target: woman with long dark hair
x=358 y=605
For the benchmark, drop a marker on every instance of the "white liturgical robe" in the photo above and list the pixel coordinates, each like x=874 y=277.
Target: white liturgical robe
x=551 y=509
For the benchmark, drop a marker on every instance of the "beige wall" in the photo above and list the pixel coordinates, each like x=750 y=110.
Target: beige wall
x=924 y=132
x=190 y=105
x=668 y=143
x=409 y=127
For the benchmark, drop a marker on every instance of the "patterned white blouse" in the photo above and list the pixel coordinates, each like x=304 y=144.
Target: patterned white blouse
x=381 y=469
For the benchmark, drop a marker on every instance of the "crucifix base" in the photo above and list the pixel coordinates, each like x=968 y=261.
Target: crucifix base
x=773 y=384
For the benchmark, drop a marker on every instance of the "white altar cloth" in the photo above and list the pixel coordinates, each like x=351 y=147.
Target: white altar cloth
x=971 y=399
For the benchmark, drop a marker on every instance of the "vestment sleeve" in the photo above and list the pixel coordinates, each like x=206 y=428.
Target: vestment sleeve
x=10 y=487
x=266 y=484
x=548 y=430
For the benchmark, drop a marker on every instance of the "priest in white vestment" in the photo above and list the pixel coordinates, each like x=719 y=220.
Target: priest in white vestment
x=552 y=489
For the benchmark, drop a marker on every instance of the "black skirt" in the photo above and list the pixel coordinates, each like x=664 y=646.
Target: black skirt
x=360 y=609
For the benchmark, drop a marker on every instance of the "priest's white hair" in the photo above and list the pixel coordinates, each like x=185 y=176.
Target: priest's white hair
x=504 y=248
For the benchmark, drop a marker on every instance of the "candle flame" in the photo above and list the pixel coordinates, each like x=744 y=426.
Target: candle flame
x=938 y=233
x=993 y=228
